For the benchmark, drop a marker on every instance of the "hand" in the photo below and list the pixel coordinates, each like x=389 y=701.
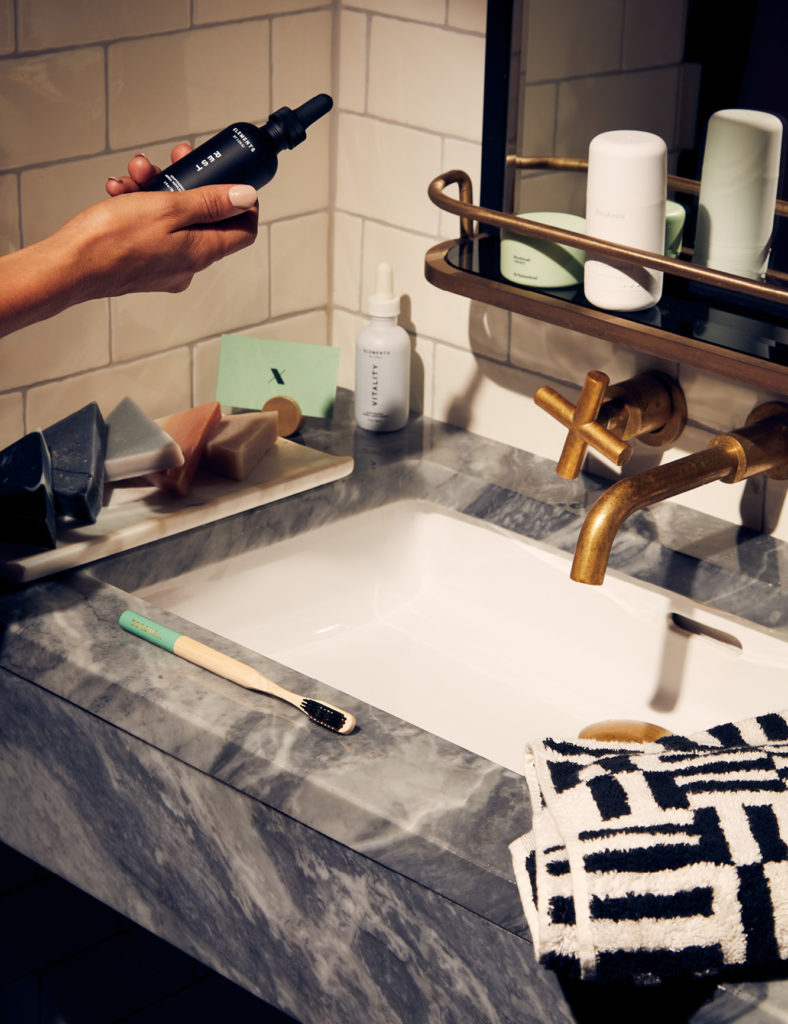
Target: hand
x=134 y=242
x=156 y=241
x=142 y=170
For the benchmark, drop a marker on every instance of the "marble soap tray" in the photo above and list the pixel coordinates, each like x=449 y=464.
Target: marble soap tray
x=138 y=513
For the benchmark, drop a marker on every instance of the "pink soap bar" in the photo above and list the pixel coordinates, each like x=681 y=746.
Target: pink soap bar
x=239 y=443
x=190 y=430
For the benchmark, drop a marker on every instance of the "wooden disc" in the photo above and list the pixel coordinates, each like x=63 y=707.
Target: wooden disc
x=623 y=731
x=289 y=417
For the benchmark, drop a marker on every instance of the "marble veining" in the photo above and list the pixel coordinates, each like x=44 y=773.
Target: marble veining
x=343 y=878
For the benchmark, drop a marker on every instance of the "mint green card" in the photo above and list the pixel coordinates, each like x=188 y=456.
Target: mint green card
x=252 y=370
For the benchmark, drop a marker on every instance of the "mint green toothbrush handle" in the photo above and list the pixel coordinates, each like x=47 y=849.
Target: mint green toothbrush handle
x=146 y=628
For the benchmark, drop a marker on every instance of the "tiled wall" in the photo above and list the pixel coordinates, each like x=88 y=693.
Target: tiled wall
x=85 y=86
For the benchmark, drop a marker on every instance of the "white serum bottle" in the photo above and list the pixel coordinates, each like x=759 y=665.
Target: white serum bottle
x=382 y=398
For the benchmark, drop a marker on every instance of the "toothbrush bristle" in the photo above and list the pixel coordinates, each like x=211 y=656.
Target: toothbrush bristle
x=324 y=715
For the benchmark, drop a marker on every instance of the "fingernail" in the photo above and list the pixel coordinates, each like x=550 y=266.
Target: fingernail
x=243 y=196
x=119 y=180
x=143 y=155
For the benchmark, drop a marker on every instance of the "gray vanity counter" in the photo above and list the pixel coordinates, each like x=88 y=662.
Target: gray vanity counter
x=358 y=878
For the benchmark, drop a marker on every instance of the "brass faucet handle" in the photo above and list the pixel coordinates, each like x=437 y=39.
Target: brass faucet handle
x=582 y=426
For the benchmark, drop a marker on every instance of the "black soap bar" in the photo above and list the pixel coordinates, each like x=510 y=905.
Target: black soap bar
x=27 y=504
x=77 y=445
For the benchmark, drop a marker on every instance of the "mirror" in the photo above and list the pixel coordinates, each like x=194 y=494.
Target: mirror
x=559 y=72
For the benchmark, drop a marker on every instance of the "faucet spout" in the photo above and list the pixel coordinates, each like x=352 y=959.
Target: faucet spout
x=761 y=446
x=627 y=496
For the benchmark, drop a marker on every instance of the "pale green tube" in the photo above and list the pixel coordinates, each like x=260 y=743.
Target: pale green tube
x=149 y=630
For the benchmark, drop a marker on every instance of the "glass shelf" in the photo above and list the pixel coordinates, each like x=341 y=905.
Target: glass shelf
x=738 y=332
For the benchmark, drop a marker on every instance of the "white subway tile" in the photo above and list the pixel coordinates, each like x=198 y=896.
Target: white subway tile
x=565 y=355
x=346 y=261
x=640 y=100
x=715 y=403
x=12 y=418
x=411 y=10
x=205 y=370
x=234 y=10
x=566 y=38
x=309 y=328
x=44 y=25
x=229 y=294
x=426 y=77
x=383 y=171
x=654 y=33
x=9 y=214
x=468 y=15
x=493 y=400
x=198 y=81
x=303 y=180
x=299 y=264
x=352 y=92
x=301 y=48
x=51 y=107
x=160 y=385
x=71 y=342
x=537 y=117
x=7 y=32
x=345 y=328
x=552 y=190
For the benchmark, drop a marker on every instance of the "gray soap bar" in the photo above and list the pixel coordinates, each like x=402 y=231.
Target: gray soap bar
x=77 y=444
x=136 y=445
x=27 y=504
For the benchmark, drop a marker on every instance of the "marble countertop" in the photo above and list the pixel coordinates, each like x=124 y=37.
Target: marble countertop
x=342 y=878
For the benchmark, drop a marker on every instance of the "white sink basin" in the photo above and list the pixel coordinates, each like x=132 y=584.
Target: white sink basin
x=479 y=635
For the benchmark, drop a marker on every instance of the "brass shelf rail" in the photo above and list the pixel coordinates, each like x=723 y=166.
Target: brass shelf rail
x=469 y=213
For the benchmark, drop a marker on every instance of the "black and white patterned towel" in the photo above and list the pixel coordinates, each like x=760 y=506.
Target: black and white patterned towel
x=650 y=861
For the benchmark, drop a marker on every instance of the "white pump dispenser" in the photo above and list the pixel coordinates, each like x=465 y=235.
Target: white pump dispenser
x=382 y=399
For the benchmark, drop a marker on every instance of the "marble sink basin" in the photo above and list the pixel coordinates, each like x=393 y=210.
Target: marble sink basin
x=477 y=634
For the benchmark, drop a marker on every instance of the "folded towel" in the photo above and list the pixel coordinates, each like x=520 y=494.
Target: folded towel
x=661 y=860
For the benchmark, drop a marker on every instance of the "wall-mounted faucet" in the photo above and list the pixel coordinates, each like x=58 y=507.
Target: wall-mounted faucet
x=761 y=446
x=650 y=406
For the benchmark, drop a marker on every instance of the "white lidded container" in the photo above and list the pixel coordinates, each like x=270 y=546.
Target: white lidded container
x=625 y=203
x=382 y=398
x=738 y=190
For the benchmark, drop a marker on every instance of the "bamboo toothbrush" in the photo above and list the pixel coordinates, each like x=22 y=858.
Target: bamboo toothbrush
x=236 y=671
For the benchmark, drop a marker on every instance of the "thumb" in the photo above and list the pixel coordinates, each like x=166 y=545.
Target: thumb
x=211 y=203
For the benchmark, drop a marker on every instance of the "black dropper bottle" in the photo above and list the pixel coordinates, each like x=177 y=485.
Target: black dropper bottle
x=242 y=154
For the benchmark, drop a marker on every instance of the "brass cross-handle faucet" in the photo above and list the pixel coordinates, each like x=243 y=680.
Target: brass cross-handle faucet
x=649 y=406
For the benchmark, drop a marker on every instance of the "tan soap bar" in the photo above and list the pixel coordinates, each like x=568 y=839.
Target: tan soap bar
x=191 y=430
x=239 y=443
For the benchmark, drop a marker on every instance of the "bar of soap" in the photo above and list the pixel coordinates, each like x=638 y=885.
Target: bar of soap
x=27 y=502
x=77 y=445
x=136 y=446
x=239 y=443
x=191 y=430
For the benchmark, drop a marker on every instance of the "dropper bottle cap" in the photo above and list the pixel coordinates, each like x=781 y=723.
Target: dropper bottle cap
x=287 y=128
x=384 y=302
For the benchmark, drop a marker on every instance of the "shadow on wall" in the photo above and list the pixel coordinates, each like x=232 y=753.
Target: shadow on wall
x=417 y=385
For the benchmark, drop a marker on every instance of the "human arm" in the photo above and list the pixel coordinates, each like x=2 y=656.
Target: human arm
x=133 y=242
